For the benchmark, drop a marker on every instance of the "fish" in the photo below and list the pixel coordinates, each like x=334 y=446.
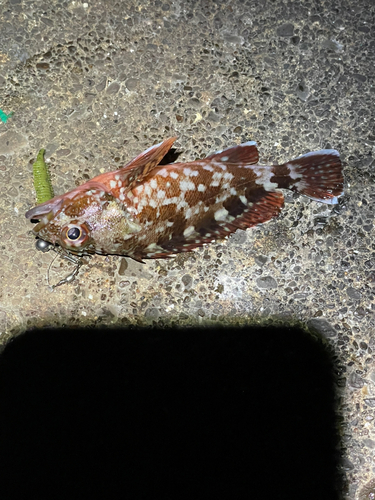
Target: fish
x=146 y=210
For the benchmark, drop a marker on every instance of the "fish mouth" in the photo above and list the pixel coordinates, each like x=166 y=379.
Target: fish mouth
x=43 y=214
x=43 y=209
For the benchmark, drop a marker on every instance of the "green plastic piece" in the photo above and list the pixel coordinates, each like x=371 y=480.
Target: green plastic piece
x=4 y=117
x=42 y=180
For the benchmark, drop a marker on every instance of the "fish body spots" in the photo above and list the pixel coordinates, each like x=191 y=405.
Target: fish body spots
x=221 y=214
x=263 y=179
x=188 y=213
x=186 y=185
x=216 y=179
x=182 y=203
x=170 y=201
x=293 y=171
x=189 y=231
x=188 y=172
x=163 y=172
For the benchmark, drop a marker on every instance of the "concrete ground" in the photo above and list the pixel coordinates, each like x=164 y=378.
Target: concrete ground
x=96 y=83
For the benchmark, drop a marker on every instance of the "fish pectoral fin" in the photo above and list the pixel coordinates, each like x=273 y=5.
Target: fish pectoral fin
x=246 y=153
x=257 y=206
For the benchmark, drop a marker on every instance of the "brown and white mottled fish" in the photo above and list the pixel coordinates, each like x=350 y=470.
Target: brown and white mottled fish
x=149 y=211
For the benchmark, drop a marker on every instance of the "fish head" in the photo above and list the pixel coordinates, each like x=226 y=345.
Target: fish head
x=88 y=219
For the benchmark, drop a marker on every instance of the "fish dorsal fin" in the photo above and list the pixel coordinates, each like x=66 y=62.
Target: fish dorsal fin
x=136 y=170
x=246 y=153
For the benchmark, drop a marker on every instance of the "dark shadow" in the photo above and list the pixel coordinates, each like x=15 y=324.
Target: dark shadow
x=170 y=157
x=211 y=413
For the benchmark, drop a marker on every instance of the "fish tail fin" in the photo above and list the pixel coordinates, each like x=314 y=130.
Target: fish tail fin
x=317 y=175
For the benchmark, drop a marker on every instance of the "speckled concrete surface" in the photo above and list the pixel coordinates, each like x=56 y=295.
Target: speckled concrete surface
x=97 y=83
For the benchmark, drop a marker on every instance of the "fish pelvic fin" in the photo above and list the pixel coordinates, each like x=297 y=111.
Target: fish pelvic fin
x=317 y=175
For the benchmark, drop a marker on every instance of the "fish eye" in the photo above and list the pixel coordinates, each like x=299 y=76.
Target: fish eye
x=73 y=233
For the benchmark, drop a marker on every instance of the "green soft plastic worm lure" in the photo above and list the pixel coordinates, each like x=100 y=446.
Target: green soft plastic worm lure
x=42 y=180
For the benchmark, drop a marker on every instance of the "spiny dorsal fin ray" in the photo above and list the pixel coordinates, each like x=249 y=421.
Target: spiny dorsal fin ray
x=137 y=169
